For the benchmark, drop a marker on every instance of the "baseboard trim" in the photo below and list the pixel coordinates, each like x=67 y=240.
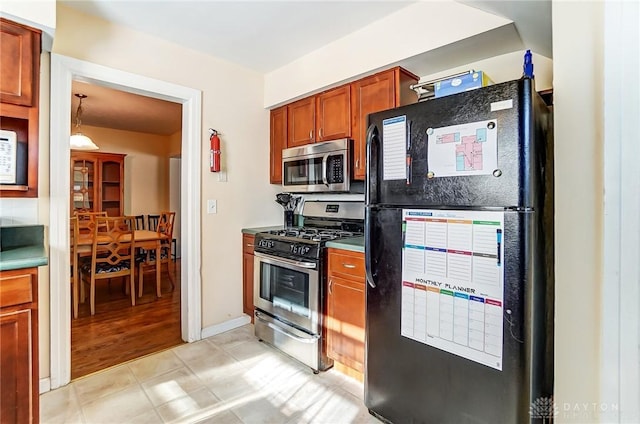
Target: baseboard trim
x=45 y=385
x=225 y=326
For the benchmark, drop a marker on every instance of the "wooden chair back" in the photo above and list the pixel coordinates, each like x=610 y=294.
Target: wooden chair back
x=87 y=221
x=139 y=222
x=73 y=243
x=165 y=224
x=113 y=253
x=152 y=222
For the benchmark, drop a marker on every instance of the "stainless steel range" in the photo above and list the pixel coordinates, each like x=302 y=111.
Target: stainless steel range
x=290 y=281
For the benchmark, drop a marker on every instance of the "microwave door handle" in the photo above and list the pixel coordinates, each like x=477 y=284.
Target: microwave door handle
x=324 y=170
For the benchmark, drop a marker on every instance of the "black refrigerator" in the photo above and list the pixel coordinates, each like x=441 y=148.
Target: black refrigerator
x=459 y=259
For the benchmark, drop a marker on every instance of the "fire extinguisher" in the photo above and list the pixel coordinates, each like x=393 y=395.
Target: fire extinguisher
x=214 y=152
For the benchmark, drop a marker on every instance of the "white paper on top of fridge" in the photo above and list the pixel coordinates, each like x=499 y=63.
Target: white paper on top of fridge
x=463 y=150
x=453 y=282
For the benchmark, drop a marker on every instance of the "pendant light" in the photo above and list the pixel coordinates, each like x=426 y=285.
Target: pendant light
x=78 y=140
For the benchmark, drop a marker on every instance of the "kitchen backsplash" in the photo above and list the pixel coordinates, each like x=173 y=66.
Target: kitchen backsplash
x=15 y=211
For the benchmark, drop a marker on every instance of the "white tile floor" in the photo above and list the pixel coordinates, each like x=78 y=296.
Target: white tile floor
x=228 y=378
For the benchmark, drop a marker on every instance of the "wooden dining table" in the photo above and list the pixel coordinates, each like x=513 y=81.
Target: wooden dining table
x=144 y=239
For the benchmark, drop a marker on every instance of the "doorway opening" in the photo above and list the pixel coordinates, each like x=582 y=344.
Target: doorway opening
x=131 y=174
x=64 y=70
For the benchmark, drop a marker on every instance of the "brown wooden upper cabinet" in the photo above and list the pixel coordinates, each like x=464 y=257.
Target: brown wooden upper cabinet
x=384 y=90
x=19 y=56
x=325 y=116
x=19 y=84
x=333 y=114
x=278 y=140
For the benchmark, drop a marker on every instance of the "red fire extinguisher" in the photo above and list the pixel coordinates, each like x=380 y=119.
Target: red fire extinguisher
x=214 y=152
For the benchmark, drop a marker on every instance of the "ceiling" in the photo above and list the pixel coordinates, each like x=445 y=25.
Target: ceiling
x=257 y=35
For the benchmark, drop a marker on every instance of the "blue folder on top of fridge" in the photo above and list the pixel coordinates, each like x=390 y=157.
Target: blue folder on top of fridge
x=459 y=259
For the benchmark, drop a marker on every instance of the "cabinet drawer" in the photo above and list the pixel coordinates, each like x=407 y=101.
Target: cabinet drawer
x=247 y=243
x=16 y=289
x=347 y=263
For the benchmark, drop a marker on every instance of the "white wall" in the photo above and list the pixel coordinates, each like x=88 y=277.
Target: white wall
x=506 y=67
x=578 y=120
x=232 y=103
x=415 y=29
x=174 y=198
x=40 y=14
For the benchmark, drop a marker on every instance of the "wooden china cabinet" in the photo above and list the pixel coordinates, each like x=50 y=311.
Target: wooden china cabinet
x=97 y=182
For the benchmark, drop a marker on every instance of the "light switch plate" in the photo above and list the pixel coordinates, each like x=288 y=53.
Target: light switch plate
x=212 y=206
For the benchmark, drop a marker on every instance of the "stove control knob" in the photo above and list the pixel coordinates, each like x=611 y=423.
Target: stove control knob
x=300 y=249
x=266 y=243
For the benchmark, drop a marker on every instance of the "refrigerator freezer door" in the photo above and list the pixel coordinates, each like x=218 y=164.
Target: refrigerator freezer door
x=516 y=120
x=410 y=381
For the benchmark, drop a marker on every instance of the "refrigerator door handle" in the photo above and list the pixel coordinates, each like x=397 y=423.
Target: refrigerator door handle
x=367 y=248
x=371 y=177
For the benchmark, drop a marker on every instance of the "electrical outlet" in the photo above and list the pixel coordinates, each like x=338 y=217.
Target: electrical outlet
x=212 y=206
x=222 y=176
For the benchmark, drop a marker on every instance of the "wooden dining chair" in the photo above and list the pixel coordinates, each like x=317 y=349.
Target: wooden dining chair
x=112 y=255
x=139 y=222
x=164 y=227
x=152 y=222
x=75 y=279
x=87 y=221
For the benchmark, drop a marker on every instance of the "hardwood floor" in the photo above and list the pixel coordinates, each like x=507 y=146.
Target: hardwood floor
x=119 y=332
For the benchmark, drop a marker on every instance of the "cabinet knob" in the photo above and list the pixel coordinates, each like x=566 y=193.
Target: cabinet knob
x=330 y=284
x=249 y=245
x=350 y=266
x=310 y=134
x=357 y=163
x=320 y=133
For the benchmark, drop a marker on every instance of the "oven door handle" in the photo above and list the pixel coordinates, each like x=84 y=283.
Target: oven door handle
x=307 y=265
x=274 y=327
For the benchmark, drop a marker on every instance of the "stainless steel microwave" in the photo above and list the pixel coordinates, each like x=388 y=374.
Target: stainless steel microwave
x=317 y=167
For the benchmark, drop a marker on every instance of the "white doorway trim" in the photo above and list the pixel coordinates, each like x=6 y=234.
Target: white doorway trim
x=63 y=71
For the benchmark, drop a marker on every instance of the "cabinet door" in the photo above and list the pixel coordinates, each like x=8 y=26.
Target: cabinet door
x=247 y=274
x=84 y=189
x=16 y=389
x=385 y=90
x=278 y=140
x=300 y=122
x=369 y=95
x=333 y=114
x=111 y=186
x=19 y=51
x=346 y=322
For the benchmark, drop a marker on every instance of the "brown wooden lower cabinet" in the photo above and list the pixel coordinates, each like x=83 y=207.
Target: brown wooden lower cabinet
x=19 y=387
x=346 y=309
x=247 y=274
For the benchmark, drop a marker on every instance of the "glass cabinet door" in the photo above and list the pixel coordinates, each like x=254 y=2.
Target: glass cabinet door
x=83 y=190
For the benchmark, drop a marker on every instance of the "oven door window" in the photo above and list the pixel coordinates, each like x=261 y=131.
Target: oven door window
x=303 y=172
x=285 y=288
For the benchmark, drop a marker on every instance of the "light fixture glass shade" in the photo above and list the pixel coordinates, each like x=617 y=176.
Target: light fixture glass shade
x=80 y=141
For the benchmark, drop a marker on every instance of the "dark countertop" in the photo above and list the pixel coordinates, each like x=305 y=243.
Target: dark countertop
x=22 y=246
